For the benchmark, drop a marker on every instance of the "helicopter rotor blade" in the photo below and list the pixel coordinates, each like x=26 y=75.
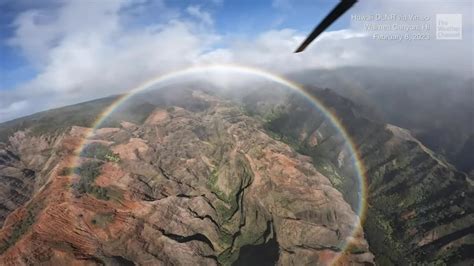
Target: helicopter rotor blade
x=340 y=9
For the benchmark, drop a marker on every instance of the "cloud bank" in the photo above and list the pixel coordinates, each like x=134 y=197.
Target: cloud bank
x=84 y=51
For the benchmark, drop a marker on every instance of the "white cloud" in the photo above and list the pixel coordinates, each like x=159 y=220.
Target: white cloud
x=273 y=50
x=14 y=107
x=281 y=4
x=83 y=51
x=37 y=31
x=199 y=14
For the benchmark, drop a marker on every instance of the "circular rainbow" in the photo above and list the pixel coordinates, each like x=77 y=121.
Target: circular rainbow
x=245 y=70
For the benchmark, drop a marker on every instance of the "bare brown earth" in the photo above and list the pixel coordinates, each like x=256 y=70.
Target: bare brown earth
x=190 y=188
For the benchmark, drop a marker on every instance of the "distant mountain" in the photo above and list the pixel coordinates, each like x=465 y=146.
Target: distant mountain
x=437 y=107
x=56 y=120
x=464 y=157
x=420 y=207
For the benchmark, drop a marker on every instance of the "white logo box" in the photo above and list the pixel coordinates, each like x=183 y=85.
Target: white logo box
x=449 y=26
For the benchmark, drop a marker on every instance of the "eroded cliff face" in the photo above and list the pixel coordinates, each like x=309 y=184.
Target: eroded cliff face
x=25 y=163
x=420 y=207
x=17 y=183
x=204 y=187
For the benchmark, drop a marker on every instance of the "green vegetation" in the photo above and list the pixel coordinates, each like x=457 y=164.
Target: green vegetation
x=227 y=207
x=88 y=172
x=229 y=204
x=356 y=250
x=66 y=171
x=381 y=237
x=114 y=193
x=227 y=257
x=327 y=168
x=274 y=114
x=212 y=182
x=112 y=158
x=19 y=229
x=98 y=192
x=226 y=238
x=102 y=220
x=253 y=234
x=225 y=211
x=278 y=125
x=101 y=152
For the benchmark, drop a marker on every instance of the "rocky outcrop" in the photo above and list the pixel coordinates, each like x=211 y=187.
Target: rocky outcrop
x=26 y=163
x=205 y=187
x=16 y=183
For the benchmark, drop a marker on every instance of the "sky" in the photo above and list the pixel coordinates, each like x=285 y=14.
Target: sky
x=59 y=52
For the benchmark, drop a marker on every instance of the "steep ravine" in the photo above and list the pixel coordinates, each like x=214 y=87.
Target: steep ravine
x=420 y=208
x=205 y=187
